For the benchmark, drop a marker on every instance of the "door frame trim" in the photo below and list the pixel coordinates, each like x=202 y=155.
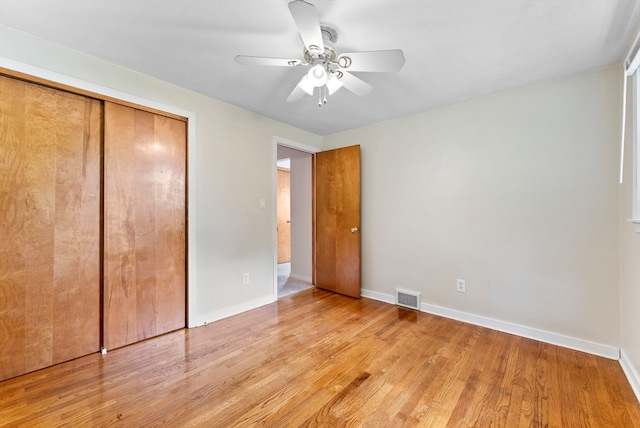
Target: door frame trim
x=279 y=141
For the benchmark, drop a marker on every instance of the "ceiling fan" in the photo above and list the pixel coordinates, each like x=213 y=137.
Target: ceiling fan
x=328 y=71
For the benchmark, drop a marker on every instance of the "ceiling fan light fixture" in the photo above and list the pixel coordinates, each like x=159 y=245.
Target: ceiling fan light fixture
x=327 y=71
x=306 y=85
x=317 y=75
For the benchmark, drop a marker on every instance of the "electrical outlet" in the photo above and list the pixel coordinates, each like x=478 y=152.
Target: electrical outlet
x=460 y=285
x=245 y=278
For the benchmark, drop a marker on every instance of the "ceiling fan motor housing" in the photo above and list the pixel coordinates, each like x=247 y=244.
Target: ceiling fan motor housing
x=329 y=37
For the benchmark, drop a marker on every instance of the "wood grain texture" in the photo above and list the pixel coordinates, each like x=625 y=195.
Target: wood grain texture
x=75 y=90
x=337 y=203
x=144 y=256
x=49 y=226
x=283 y=202
x=322 y=359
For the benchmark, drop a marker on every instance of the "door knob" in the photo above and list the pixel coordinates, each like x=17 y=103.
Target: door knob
x=354 y=229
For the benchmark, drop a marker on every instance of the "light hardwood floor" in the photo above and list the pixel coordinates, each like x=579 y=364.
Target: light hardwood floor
x=321 y=359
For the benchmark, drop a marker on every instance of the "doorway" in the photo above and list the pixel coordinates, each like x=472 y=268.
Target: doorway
x=294 y=225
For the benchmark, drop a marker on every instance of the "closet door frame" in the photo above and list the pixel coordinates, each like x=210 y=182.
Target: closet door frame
x=29 y=73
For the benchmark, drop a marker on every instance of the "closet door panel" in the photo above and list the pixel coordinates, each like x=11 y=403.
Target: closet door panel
x=170 y=194
x=49 y=226
x=144 y=260
x=76 y=321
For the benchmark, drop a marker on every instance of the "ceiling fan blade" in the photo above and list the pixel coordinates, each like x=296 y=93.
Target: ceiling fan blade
x=296 y=95
x=263 y=60
x=355 y=84
x=380 y=61
x=333 y=83
x=306 y=17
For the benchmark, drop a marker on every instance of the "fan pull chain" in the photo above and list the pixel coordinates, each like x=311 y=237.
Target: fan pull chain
x=322 y=95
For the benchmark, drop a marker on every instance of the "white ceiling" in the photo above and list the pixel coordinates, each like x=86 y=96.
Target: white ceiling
x=455 y=50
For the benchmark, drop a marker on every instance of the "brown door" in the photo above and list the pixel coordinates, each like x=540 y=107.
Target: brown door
x=337 y=202
x=284 y=215
x=144 y=205
x=49 y=226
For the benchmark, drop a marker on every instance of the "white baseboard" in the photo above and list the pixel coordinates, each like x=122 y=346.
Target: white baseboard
x=631 y=373
x=230 y=311
x=599 y=349
x=382 y=297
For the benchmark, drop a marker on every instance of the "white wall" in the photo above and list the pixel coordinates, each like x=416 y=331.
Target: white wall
x=301 y=218
x=516 y=193
x=629 y=265
x=231 y=170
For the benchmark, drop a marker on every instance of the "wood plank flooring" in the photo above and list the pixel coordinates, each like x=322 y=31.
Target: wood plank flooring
x=321 y=359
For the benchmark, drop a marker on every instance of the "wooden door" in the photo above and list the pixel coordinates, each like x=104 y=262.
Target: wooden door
x=145 y=215
x=337 y=222
x=284 y=215
x=49 y=226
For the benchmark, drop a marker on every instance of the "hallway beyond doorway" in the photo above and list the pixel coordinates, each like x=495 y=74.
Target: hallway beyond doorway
x=288 y=285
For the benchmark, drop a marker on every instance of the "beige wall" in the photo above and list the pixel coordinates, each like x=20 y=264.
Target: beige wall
x=231 y=170
x=516 y=193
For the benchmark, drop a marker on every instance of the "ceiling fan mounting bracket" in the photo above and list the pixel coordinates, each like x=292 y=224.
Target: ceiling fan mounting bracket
x=329 y=32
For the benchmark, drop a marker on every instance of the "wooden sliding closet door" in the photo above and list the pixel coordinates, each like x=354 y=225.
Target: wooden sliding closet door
x=49 y=226
x=145 y=215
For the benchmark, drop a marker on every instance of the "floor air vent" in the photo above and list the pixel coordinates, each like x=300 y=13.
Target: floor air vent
x=408 y=299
